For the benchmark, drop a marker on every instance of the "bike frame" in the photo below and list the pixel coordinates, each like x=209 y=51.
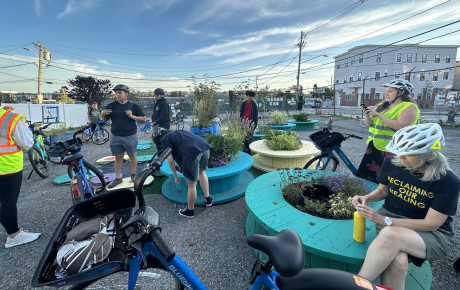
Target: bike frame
x=81 y=172
x=146 y=126
x=39 y=145
x=176 y=267
x=266 y=279
x=342 y=156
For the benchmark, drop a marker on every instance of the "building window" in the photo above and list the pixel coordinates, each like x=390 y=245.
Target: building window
x=366 y=96
x=377 y=75
x=435 y=76
x=346 y=62
x=351 y=77
x=407 y=76
x=361 y=58
x=399 y=57
x=360 y=76
x=378 y=58
x=377 y=96
x=419 y=96
x=397 y=74
x=409 y=57
x=422 y=76
x=338 y=64
x=424 y=56
x=337 y=80
x=448 y=57
x=348 y=97
x=345 y=79
x=445 y=75
x=437 y=58
x=352 y=60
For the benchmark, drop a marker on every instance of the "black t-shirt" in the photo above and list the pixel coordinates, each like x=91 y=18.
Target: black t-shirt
x=410 y=197
x=185 y=147
x=122 y=125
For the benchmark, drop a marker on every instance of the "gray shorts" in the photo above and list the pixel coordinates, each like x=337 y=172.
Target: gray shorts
x=128 y=144
x=200 y=162
x=438 y=243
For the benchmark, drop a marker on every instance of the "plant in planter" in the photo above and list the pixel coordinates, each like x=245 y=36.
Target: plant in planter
x=205 y=102
x=278 y=118
x=301 y=117
x=225 y=148
x=323 y=196
x=281 y=140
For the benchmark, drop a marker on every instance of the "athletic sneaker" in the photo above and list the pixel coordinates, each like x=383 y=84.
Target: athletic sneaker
x=187 y=213
x=22 y=238
x=115 y=182
x=208 y=200
x=133 y=176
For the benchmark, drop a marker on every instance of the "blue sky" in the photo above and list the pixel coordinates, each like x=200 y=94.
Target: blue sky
x=163 y=43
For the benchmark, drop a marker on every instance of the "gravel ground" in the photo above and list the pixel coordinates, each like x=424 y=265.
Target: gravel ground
x=213 y=244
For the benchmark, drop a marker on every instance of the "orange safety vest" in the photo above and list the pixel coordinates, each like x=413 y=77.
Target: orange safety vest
x=11 y=156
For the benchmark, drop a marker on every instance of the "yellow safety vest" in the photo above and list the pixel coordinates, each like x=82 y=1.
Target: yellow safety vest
x=380 y=133
x=10 y=154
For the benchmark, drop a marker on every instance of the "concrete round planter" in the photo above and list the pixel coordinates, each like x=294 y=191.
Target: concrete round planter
x=304 y=126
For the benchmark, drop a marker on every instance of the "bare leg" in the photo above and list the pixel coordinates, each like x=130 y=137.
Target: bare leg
x=386 y=246
x=191 y=196
x=133 y=161
x=395 y=274
x=204 y=183
x=118 y=164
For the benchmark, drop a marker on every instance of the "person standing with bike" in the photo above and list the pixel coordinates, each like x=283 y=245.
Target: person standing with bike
x=160 y=115
x=421 y=196
x=397 y=111
x=124 y=115
x=94 y=115
x=249 y=113
x=191 y=153
x=14 y=136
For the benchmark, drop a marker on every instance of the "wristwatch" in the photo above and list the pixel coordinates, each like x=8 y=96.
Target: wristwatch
x=388 y=221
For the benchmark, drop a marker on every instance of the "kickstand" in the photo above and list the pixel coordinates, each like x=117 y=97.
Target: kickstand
x=30 y=174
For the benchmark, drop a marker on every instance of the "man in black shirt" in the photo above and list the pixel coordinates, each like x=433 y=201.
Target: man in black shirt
x=124 y=115
x=160 y=115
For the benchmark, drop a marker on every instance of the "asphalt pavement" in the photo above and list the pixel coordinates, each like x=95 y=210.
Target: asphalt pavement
x=213 y=244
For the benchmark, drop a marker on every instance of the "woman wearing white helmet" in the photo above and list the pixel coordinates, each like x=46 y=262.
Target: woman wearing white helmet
x=421 y=196
x=397 y=111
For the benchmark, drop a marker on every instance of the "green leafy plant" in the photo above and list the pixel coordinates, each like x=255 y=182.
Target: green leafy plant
x=205 y=101
x=301 y=117
x=327 y=196
x=224 y=149
x=280 y=140
x=278 y=118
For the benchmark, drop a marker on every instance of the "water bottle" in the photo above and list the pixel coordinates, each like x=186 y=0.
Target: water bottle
x=359 y=227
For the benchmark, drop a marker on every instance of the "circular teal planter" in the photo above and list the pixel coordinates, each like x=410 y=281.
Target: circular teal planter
x=226 y=183
x=286 y=127
x=305 y=126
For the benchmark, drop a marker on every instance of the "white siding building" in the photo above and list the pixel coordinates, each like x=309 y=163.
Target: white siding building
x=360 y=72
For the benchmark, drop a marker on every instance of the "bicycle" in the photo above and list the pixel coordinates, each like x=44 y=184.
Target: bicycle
x=146 y=127
x=146 y=248
x=38 y=153
x=99 y=135
x=328 y=142
x=79 y=170
x=180 y=122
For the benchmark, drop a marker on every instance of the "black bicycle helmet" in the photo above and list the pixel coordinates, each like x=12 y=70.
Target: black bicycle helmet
x=159 y=91
x=158 y=133
x=121 y=87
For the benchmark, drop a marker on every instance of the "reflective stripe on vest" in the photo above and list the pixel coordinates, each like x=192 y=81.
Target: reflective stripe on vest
x=380 y=133
x=11 y=156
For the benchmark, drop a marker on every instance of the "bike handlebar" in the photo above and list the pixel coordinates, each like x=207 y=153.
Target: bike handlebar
x=354 y=136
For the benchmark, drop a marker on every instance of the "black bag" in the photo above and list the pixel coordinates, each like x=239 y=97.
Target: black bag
x=324 y=139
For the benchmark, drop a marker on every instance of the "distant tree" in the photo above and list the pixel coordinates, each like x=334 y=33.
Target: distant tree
x=89 y=89
x=63 y=97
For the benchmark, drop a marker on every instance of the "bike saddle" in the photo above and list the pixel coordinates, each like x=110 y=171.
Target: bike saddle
x=285 y=250
x=69 y=160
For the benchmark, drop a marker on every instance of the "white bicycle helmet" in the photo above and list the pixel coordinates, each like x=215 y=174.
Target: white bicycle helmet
x=417 y=139
x=400 y=84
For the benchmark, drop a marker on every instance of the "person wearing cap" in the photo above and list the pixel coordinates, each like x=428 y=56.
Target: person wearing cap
x=124 y=115
x=160 y=115
x=421 y=196
x=249 y=114
x=397 y=111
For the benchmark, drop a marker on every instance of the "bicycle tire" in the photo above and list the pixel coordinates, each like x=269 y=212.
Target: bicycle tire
x=85 y=136
x=38 y=164
x=313 y=163
x=148 y=130
x=104 y=137
x=180 y=126
x=91 y=172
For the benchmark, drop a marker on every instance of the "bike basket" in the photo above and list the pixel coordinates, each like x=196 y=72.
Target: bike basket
x=57 y=150
x=119 y=202
x=324 y=139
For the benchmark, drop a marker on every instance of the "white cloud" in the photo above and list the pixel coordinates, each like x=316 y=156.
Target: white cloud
x=103 y=61
x=38 y=7
x=74 y=6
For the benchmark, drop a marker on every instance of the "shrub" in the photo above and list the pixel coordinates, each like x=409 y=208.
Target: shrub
x=278 y=118
x=280 y=140
x=301 y=117
x=224 y=149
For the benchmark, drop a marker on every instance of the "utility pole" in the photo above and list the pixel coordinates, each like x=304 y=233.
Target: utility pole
x=301 y=43
x=43 y=53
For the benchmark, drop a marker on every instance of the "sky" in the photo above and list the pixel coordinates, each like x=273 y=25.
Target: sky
x=147 y=44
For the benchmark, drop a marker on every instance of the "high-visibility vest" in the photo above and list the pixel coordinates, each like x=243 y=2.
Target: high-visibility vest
x=380 y=133
x=10 y=154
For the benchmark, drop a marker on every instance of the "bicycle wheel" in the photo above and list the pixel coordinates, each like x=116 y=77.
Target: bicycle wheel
x=91 y=171
x=38 y=164
x=85 y=135
x=52 y=159
x=180 y=125
x=100 y=137
x=148 y=128
x=318 y=163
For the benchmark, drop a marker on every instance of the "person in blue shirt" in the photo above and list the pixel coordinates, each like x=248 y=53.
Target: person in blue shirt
x=191 y=153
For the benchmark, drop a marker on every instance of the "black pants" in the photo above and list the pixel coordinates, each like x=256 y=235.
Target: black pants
x=10 y=185
x=246 y=143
